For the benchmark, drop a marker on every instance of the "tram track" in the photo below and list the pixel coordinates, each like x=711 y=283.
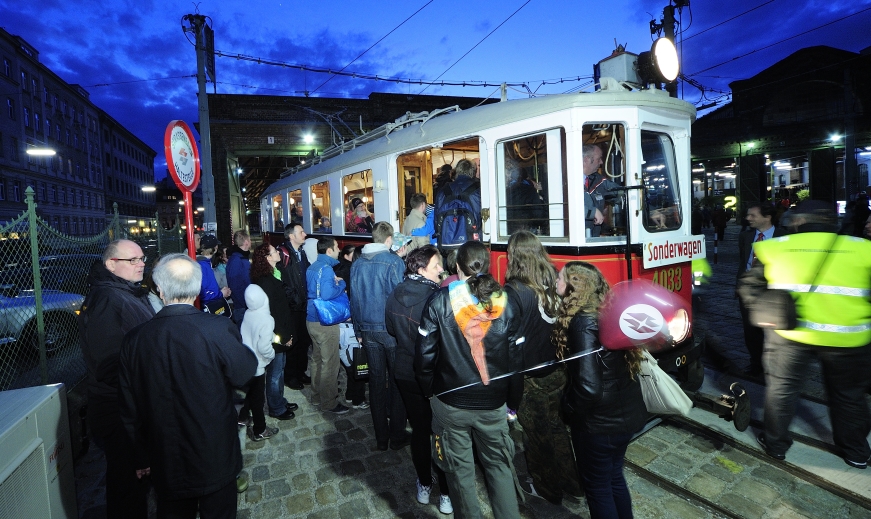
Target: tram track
x=720 y=438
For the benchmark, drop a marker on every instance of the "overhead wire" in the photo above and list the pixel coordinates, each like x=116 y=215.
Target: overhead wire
x=373 y=45
x=781 y=41
x=476 y=45
x=726 y=21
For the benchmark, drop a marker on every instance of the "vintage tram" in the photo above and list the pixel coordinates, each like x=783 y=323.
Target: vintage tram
x=645 y=139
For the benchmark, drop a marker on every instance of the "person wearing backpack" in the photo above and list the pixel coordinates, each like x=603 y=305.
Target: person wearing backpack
x=458 y=208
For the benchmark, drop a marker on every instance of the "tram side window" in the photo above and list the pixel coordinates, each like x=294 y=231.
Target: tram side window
x=321 y=221
x=294 y=203
x=662 y=190
x=603 y=162
x=358 y=203
x=530 y=179
x=277 y=206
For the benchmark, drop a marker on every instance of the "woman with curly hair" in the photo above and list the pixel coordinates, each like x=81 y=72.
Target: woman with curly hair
x=602 y=402
x=264 y=274
x=531 y=284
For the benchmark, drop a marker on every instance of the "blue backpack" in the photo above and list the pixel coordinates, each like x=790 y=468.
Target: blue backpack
x=456 y=220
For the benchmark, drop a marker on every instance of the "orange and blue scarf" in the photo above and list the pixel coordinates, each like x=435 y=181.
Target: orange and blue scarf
x=474 y=320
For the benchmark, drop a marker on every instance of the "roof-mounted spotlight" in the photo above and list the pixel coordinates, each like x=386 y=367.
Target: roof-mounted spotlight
x=660 y=64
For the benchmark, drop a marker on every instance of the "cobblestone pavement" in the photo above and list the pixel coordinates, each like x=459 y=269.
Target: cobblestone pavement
x=326 y=466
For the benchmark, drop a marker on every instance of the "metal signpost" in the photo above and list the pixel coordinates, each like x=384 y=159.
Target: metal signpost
x=183 y=160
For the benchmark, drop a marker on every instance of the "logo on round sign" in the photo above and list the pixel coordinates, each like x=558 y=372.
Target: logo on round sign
x=182 y=156
x=641 y=322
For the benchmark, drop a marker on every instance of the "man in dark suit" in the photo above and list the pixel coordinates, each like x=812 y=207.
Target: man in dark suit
x=176 y=379
x=293 y=267
x=759 y=217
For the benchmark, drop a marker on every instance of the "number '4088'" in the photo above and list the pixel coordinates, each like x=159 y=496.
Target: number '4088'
x=669 y=278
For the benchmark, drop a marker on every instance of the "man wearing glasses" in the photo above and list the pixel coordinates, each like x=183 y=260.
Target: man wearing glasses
x=115 y=305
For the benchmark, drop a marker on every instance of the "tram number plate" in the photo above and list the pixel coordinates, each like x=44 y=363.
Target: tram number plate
x=670 y=278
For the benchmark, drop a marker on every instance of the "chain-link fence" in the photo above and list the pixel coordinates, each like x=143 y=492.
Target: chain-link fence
x=43 y=282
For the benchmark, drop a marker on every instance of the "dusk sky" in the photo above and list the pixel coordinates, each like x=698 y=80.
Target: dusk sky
x=135 y=60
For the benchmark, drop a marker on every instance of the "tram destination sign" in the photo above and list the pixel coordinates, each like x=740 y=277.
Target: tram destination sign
x=657 y=253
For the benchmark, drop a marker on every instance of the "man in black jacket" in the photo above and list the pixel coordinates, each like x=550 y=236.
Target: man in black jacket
x=759 y=217
x=115 y=305
x=293 y=266
x=176 y=376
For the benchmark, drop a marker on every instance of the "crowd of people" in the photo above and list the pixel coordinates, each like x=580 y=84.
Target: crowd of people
x=451 y=352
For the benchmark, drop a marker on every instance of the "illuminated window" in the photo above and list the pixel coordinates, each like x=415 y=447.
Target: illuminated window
x=321 y=216
x=358 y=203
x=662 y=190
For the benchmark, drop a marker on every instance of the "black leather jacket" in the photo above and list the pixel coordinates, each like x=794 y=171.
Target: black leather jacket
x=537 y=348
x=293 y=276
x=443 y=359
x=601 y=397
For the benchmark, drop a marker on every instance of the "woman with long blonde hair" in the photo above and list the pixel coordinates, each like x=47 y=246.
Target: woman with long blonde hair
x=602 y=402
x=531 y=284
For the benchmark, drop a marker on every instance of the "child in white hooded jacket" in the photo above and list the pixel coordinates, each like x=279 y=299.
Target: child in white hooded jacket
x=257 y=333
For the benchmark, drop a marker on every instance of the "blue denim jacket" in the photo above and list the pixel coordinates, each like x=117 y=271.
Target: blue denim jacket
x=374 y=275
x=330 y=289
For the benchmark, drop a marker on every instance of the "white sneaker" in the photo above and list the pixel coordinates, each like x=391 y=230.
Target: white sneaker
x=445 y=505
x=423 y=493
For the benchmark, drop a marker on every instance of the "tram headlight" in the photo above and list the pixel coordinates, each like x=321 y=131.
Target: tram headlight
x=660 y=65
x=640 y=313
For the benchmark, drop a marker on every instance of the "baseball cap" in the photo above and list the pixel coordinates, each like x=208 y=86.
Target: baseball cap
x=209 y=241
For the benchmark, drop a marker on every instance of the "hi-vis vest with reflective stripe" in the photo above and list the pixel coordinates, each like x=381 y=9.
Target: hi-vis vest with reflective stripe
x=836 y=310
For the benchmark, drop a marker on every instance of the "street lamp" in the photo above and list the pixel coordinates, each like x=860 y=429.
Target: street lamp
x=149 y=189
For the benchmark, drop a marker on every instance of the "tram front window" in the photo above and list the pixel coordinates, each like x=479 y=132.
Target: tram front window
x=321 y=221
x=661 y=188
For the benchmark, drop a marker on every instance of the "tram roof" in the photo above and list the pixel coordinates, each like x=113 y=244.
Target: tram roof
x=463 y=123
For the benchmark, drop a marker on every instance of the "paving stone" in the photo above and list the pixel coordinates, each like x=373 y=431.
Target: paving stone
x=703 y=444
x=640 y=455
x=739 y=457
x=259 y=473
x=352 y=467
x=343 y=425
x=331 y=455
x=335 y=439
x=678 y=508
x=742 y=506
x=354 y=509
x=283 y=467
x=268 y=508
x=254 y=494
x=310 y=444
x=325 y=475
x=350 y=486
x=306 y=462
x=265 y=456
x=301 y=482
x=773 y=476
x=354 y=451
x=813 y=501
x=663 y=468
x=276 y=489
x=729 y=464
x=298 y=504
x=383 y=460
x=756 y=492
x=302 y=432
x=385 y=503
x=705 y=485
x=249 y=458
x=356 y=435
x=326 y=495
x=653 y=443
x=324 y=513
x=322 y=429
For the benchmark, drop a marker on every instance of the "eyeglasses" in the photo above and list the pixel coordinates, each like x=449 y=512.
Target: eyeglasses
x=132 y=261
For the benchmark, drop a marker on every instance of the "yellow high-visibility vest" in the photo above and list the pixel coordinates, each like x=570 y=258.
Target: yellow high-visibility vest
x=835 y=310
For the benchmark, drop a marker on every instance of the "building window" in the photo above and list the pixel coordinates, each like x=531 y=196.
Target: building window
x=7 y=67
x=1 y=145
x=14 y=155
x=57 y=134
x=64 y=105
x=16 y=191
x=26 y=117
x=42 y=193
x=69 y=139
x=54 y=104
x=24 y=81
x=47 y=127
x=2 y=189
x=34 y=86
x=36 y=122
x=54 y=193
x=76 y=141
x=45 y=92
x=10 y=108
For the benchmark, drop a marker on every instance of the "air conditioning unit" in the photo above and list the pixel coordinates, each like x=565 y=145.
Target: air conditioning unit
x=36 y=462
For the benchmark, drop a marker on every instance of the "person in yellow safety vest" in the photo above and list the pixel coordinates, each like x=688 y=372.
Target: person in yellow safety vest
x=701 y=271
x=829 y=278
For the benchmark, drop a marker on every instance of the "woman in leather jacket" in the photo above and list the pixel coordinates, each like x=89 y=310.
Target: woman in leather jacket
x=531 y=284
x=468 y=338
x=603 y=402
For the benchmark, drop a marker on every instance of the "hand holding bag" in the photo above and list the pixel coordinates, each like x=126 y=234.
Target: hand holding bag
x=333 y=311
x=662 y=395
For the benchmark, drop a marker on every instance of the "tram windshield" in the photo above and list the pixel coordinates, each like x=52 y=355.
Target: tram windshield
x=661 y=188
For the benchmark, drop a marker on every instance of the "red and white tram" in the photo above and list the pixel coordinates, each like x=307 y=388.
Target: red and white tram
x=645 y=137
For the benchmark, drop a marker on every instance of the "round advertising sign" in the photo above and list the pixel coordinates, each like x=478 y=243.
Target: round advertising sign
x=182 y=156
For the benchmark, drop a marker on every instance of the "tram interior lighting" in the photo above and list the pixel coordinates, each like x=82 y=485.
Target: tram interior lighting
x=660 y=64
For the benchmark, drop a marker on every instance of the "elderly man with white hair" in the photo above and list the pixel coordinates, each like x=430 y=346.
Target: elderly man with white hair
x=177 y=374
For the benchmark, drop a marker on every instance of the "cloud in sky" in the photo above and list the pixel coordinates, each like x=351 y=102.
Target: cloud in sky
x=138 y=51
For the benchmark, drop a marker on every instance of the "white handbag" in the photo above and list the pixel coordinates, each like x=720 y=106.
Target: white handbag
x=347 y=342
x=662 y=395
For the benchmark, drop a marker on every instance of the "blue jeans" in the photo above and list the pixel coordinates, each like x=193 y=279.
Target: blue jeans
x=845 y=372
x=600 y=463
x=383 y=394
x=275 y=400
